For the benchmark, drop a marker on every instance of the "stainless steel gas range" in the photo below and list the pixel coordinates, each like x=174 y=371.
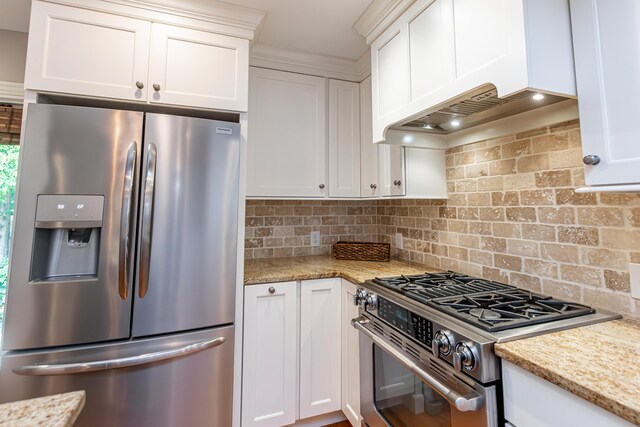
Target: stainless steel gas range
x=426 y=345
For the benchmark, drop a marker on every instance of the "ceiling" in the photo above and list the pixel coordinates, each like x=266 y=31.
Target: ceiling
x=15 y=15
x=322 y=27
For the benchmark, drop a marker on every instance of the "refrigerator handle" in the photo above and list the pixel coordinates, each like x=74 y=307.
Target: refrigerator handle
x=124 y=362
x=124 y=266
x=147 y=220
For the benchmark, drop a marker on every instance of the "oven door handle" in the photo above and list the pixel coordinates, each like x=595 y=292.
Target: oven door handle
x=472 y=402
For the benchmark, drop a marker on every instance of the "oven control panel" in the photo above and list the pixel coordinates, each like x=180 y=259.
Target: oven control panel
x=408 y=322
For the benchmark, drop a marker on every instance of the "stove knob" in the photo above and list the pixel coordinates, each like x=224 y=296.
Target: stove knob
x=441 y=343
x=463 y=358
x=371 y=302
x=360 y=296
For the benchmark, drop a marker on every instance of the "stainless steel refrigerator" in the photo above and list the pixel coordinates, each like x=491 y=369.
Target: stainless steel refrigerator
x=123 y=268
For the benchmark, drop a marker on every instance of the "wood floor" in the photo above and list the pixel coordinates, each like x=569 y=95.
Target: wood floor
x=340 y=424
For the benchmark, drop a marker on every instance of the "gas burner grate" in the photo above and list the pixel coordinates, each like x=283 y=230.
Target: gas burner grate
x=497 y=311
x=428 y=286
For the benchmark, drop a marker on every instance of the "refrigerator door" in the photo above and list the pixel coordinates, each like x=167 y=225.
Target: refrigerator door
x=188 y=384
x=186 y=274
x=72 y=259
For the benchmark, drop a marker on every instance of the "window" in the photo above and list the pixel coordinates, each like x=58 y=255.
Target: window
x=10 y=122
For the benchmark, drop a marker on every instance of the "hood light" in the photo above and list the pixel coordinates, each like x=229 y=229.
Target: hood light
x=455 y=123
x=538 y=97
x=427 y=126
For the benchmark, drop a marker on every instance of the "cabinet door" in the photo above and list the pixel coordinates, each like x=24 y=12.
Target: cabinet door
x=344 y=139
x=320 y=372
x=286 y=146
x=269 y=355
x=369 y=180
x=350 y=356
x=392 y=176
x=78 y=51
x=608 y=86
x=198 y=69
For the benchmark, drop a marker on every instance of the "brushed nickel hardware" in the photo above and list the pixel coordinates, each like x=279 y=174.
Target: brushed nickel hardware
x=591 y=160
x=139 y=85
x=397 y=182
x=156 y=87
x=373 y=186
x=272 y=290
x=321 y=186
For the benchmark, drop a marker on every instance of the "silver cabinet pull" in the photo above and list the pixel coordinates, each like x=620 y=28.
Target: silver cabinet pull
x=373 y=186
x=591 y=160
x=139 y=85
x=124 y=263
x=147 y=220
x=272 y=290
x=321 y=186
x=472 y=402
x=156 y=87
x=125 y=362
x=397 y=182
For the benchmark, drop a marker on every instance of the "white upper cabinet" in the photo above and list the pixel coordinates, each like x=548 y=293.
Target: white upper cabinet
x=606 y=45
x=286 y=146
x=198 y=69
x=439 y=50
x=392 y=172
x=369 y=167
x=78 y=51
x=344 y=139
x=75 y=50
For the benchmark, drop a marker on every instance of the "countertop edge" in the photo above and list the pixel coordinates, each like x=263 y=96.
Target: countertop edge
x=590 y=395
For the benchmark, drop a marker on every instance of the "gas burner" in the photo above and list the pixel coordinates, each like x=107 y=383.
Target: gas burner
x=425 y=287
x=496 y=311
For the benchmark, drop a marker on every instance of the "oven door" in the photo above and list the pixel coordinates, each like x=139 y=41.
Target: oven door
x=399 y=391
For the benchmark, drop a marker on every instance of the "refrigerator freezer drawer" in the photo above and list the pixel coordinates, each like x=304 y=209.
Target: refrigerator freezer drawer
x=184 y=379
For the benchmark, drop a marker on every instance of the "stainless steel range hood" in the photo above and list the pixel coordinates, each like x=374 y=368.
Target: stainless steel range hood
x=475 y=108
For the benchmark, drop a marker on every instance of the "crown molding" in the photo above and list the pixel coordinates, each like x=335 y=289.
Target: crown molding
x=11 y=93
x=214 y=15
x=378 y=16
x=308 y=63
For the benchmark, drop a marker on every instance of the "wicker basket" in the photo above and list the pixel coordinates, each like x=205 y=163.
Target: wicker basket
x=361 y=251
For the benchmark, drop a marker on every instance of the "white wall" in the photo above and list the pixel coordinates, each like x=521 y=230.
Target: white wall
x=13 y=56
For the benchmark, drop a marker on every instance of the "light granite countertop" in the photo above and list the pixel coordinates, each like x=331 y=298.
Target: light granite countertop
x=600 y=363
x=58 y=410
x=271 y=270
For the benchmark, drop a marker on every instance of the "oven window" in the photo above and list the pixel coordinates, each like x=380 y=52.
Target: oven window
x=403 y=399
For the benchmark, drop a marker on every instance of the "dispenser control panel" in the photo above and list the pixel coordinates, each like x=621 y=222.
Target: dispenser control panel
x=65 y=211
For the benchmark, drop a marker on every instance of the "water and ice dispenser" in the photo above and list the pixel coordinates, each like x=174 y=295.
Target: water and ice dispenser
x=67 y=238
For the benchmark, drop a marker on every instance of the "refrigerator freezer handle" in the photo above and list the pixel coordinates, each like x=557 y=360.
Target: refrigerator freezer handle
x=147 y=220
x=124 y=267
x=125 y=362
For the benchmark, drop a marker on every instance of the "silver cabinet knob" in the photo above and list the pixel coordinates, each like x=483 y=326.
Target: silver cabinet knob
x=591 y=160
x=397 y=182
x=321 y=186
x=139 y=85
x=156 y=87
x=373 y=186
x=272 y=290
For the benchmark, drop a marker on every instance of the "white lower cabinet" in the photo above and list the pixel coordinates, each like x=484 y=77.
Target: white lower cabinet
x=269 y=360
x=320 y=374
x=350 y=356
x=292 y=352
x=530 y=401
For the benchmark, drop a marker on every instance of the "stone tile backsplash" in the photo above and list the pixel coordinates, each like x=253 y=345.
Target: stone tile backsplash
x=512 y=216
